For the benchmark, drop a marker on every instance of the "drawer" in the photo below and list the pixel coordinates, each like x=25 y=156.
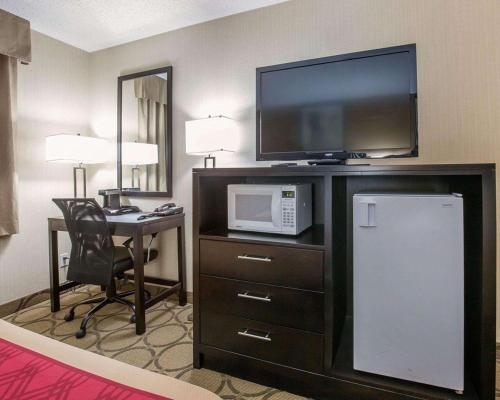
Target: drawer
x=295 y=308
x=268 y=342
x=275 y=265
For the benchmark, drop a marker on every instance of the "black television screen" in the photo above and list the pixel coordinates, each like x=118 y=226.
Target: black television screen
x=357 y=103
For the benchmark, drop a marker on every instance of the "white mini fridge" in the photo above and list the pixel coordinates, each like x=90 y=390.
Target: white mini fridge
x=408 y=289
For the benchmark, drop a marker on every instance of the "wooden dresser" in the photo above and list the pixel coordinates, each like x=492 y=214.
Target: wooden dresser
x=277 y=310
x=270 y=296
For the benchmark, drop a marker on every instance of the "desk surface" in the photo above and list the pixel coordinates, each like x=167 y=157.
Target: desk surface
x=131 y=218
x=123 y=225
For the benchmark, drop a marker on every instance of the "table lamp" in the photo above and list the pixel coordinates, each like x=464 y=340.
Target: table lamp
x=76 y=149
x=210 y=135
x=136 y=154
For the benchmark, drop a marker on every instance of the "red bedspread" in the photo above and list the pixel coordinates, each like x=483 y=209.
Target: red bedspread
x=27 y=375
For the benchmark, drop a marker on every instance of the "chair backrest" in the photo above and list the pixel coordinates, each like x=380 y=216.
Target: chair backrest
x=92 y=248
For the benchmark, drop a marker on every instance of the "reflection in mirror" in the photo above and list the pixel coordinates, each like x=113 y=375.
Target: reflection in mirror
x=145 y=125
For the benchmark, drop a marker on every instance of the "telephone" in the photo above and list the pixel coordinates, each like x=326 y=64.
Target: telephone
x=112 y=204
x=122 y=210
x=163 y=211
x=164 y=207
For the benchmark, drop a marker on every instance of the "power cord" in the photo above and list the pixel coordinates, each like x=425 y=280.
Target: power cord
x=64 y=267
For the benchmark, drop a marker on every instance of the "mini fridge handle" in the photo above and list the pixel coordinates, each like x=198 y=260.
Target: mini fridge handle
x=367 y=214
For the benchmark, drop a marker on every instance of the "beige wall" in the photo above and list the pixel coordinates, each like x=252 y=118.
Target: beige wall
x=214 y=73
x=53 y=97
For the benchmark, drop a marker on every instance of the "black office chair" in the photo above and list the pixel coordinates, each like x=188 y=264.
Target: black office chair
x=94 y=258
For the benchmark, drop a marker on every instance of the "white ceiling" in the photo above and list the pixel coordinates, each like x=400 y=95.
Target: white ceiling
x=97 y=24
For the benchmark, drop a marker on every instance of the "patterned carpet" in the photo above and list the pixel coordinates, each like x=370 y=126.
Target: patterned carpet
x=166 y=347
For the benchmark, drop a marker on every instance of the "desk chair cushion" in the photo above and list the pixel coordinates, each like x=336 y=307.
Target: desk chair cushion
x=123 y=262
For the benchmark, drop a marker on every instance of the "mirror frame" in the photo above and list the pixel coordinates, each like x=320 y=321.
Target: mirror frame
x=168 y=138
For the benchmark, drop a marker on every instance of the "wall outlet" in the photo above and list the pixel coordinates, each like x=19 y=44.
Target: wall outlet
x=63 y=259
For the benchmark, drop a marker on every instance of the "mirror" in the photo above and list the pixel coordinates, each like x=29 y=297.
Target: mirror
x=145 y=133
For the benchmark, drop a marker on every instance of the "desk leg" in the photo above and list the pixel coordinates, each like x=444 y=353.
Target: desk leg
x=140 y=312
x=181 y=263
x=54 y=272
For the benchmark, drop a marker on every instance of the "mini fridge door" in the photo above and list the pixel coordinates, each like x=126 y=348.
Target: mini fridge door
x=408 y=271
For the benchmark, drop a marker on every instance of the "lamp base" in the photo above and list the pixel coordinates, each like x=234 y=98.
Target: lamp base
x=84 y=176
x=210 y=158
x=134 y=170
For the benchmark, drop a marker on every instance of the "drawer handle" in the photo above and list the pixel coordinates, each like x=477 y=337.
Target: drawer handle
x=254 y=258
x=265 y=337
x=251 y=297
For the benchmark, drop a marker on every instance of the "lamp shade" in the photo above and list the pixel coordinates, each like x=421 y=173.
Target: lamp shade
x=139 y=153
x=208 y=135
x=76 y=149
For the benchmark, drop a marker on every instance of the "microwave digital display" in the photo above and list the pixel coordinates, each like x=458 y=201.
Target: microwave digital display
x=288 y=194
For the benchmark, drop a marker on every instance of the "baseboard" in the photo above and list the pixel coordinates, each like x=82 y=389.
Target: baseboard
x=29 y=300
x=24 y=302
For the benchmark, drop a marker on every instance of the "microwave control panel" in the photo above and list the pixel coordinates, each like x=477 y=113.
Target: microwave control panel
x=288 y=202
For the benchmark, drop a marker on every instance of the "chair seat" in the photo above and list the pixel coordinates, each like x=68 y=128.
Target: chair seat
x=123 y=262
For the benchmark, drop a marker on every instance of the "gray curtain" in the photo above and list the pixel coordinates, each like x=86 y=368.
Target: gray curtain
x=151 y=94
x=15 y=44
x=8 y=202
x=15 y=37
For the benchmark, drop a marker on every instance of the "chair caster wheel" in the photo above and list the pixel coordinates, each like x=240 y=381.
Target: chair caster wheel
x=132 y=319
x=81 y=333
x=69 y=316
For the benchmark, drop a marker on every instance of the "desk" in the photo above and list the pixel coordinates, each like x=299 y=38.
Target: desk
x=128 y=225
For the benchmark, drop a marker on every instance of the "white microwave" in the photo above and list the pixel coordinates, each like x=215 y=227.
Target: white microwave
x=283 y=209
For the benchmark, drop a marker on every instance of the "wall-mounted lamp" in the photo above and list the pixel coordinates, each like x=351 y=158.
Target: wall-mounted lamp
x=76 y=149
x=209 y=135
x=136 y=154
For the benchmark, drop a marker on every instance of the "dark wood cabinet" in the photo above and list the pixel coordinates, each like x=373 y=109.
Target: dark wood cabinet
x=301 y=309
x=278 y=310
x=276 y=265
x=275 y=343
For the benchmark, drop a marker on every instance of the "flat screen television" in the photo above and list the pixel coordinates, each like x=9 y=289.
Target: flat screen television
x=362 y=104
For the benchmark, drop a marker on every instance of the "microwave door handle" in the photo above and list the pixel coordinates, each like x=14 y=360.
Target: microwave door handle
x=276 y=211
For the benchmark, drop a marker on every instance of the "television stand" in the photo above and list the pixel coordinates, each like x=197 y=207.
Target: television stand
x=312 y=275
x=327 y=162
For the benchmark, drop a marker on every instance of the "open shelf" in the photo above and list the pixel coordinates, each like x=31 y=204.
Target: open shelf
x=311 y=238
x=343 y=368
x=213 y=222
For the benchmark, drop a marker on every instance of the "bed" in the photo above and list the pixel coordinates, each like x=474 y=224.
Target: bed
x=33 y=366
